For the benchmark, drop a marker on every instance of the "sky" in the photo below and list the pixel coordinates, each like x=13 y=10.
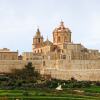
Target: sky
x=19 y=20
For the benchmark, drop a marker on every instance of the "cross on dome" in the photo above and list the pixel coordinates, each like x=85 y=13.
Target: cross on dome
x=62 y=24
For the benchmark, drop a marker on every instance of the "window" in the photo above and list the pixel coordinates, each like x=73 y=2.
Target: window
x=59 y=39
x=54 y=39
x=64 y=56
x=43 y=63
x=27 y=59
x=43 y=57
x=39 y=40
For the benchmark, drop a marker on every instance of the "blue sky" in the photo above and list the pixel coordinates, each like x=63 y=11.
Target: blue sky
x=19 y=20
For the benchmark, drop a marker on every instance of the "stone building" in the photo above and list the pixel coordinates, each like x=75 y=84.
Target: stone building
x=61 y=59
x=64 y=59
x=62 y=46
x=6 y=54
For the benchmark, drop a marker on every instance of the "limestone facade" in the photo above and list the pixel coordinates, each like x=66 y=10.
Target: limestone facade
x=6 y=54
x=62 y=59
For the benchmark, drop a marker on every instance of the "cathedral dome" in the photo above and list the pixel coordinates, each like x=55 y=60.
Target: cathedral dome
x=62 y=28
x=61 y=34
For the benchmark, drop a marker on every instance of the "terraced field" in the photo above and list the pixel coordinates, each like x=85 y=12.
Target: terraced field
x=92 y=93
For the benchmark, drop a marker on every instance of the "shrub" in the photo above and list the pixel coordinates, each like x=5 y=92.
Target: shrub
x=25 y=93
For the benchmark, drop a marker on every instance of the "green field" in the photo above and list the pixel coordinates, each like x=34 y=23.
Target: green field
x=92 y=93
x=28 y=84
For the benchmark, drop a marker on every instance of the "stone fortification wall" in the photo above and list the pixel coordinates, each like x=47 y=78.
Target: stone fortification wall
x=60 y=69
x=79 y=69
x=85 y=64
x=7 y=65
x=89 y=74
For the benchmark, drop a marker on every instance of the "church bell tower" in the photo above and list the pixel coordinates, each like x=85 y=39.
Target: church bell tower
x=37 y=39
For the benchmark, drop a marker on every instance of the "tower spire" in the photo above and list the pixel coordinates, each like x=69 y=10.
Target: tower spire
x=38 y=32
x=37 y=39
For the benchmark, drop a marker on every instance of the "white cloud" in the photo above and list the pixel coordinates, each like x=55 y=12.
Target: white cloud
x=20 y=18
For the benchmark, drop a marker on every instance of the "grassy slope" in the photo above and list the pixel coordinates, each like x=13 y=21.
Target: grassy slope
x=92 y=93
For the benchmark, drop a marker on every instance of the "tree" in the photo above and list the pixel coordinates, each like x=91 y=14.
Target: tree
x=27 y=75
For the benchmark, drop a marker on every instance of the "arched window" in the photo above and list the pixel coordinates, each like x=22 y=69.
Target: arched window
x=64 y=56
x=59 y=39
x=43 y=63
x=39 y=40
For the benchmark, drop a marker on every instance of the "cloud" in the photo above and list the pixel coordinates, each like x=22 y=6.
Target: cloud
x=19 y=20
